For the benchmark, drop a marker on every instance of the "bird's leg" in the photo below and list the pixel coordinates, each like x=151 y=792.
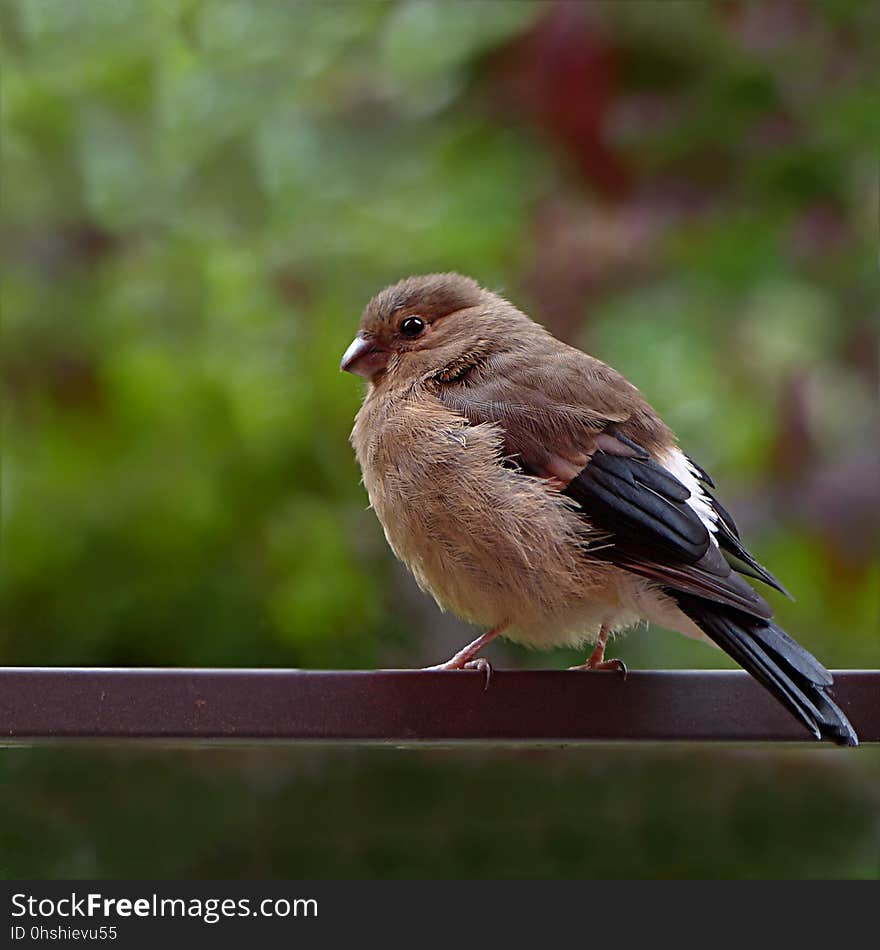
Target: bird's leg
x=597 y=659
x=465 y=658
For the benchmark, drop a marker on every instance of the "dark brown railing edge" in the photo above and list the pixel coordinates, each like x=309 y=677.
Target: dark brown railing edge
x=408 y=706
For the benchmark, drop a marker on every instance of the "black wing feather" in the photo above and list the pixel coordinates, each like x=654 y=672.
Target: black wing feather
x=639 y=498
x=729 y=541
x=652 y=531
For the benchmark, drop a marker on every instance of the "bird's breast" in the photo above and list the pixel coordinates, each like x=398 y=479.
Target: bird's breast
x=487 y=541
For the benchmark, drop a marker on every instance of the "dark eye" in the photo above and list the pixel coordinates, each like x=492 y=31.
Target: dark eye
x=412 y=327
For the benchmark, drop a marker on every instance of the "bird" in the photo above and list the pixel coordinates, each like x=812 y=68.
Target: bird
x=533 y=491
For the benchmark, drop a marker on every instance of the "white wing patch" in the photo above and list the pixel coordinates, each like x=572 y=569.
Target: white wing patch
x=679 y=465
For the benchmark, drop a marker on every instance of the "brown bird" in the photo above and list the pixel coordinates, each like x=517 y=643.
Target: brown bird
x=532 y=490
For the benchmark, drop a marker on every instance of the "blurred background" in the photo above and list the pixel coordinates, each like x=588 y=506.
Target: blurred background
x=200 y=196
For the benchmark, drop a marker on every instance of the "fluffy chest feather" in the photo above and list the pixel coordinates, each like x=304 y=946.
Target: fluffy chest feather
x=487 y=541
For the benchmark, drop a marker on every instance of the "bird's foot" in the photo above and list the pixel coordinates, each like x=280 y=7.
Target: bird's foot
x=597 y=659
x=618 y=665
x=467 y=659
x=480 y=664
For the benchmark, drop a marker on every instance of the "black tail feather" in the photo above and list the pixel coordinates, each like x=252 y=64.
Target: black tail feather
x=795 y=677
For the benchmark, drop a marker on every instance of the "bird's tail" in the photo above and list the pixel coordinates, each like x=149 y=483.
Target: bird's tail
x=795 y=677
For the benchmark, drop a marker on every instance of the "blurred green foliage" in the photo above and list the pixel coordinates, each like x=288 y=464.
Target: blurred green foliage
x=199 y=196
x=662 y=813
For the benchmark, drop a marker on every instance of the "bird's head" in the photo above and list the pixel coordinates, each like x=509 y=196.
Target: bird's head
x=422 y=325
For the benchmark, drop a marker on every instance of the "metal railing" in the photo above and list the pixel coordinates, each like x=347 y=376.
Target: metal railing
x=407 y=706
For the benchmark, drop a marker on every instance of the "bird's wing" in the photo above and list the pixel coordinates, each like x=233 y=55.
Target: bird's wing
x=656 y=530
x=571 y=418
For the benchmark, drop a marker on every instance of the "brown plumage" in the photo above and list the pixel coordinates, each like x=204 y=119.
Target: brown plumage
x=531 y=489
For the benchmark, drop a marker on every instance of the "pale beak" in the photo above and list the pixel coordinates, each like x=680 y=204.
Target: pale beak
x=364 y=357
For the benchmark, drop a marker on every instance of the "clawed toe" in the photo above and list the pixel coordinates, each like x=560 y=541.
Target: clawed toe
x=597 y=659
x=617 y=665
x=484 y=666
x=467 y=659
x=480 y=664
